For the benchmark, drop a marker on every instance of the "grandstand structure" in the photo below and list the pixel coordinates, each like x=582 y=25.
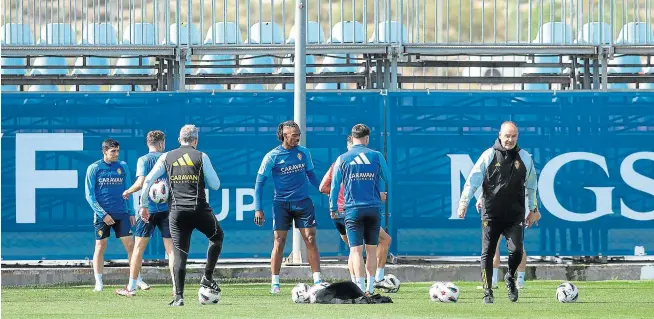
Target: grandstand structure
x=177 y=45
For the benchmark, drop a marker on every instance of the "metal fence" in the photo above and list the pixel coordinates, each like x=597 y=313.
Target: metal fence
x=399 y=44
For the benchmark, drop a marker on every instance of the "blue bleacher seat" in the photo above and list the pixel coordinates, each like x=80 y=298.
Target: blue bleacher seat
x=125 y=88
x=632 y=33
x=183 y=39
x=14 y=34
x=96 y=34
x=389 y=32
x=54 y=34
x=549 y=33
x=315 y=35
x=266 y=33
x=226 y=33
x=43 y=88
x=342 y=32
x=136 y=34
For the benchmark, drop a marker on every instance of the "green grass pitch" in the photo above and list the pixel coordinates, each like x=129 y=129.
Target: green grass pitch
x=608 y=299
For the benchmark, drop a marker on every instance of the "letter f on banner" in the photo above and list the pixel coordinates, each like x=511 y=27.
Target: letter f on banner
x=28 y=179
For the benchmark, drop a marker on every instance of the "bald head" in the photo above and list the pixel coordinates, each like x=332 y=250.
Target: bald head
x=509 y=135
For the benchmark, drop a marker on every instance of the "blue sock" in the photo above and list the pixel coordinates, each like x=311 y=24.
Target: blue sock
x=316 y=278
x=275 y=280
x=361 y=284
x=380 y=274
x=371 y=284
x=132 y=285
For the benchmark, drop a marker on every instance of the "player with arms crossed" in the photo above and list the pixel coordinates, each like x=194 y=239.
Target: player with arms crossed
x=105 y=182
x=189 y=172
x=291 y=169
x=505 y=172
x=360 y=170
x=339 y=222
x=158 y=213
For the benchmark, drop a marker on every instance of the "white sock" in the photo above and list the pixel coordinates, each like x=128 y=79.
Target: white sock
x=380 y=274
x=275 y=280
x=316 y=278
x=98 y=280
x=354 y=279
x=495 y=271
x=139 y=279
x=371 y=284
x=361 y=283
x=521 y=276
x=132 y=284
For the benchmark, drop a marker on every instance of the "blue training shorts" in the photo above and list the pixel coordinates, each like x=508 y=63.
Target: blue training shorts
x=121 y=227
x=157 y=220
x=285 y=212
x=362 y=225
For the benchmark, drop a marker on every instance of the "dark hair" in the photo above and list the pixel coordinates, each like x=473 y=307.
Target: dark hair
x=360 y=131
x=155 y=137
x=109 y=143
x=281 y=127
x=349 y=138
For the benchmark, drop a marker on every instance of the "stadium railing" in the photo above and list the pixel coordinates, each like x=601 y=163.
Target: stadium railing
x=385 y=44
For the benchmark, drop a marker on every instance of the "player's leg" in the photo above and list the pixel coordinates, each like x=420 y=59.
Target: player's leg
x=521 y=269
x=496 y=263
x=491 y=231
x=142 y=234
x=101 y=231
x=382 y=253
x=339 y=223
x=207 y=224
x=163 y=223
x=305 y=220
x=372 y=225
x=123 y=230
x=281 y=224
x=354 y=228
x=180 y=231
x=514 y=234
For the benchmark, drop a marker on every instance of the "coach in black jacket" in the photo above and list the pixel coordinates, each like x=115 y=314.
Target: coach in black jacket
x=506 y=174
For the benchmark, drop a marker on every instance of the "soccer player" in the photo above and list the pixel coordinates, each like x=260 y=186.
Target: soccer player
x=189 y=172
x=505 y=172
x=339 y=222
x=105 y=182
x=158 y=213
x=291 y=169
x=360 y=170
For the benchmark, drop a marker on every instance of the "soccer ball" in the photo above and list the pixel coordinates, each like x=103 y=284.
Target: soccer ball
x=159 y=192
x=392 y=282
x=447 y=292
x=300 y=293
x=314 y=290
x=434 y=290
x=567 y=292
x=207 y=296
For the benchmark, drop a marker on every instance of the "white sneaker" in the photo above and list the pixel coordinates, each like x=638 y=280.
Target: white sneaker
x=521 y=285
x=275 y=290
x=98 y=288
x=142 y=285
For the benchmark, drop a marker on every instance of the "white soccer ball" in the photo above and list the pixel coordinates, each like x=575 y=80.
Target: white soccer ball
x=300 y=293
x=207 y=296
x=435 y=290
x=314 y=290
x=567 y=292
x=448 y=292
x=159 y=192
x=392 y=282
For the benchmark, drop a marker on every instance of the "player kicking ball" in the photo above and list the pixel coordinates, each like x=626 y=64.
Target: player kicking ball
x=158 y=214
x=339 y=222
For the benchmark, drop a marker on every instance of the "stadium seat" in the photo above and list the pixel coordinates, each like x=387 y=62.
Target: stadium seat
x=184 y=30
x=43 y=88
x=15 y=34
x=594 y=33
x=347 y=32
x=124 y=88
x=225 y=33
x=342 y=32
x=85 y=88
x=136 y=34
x=389 y=32
x=54 y=34
x=266 y=33
x=96 y=34
x=549 y=33
x=315 y=35
x=633 y=33
x=9 y=88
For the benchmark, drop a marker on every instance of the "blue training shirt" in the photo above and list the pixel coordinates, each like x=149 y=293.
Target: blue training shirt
x=360 y=170
x=291 y=171
x=104 y=187
x=143 y=166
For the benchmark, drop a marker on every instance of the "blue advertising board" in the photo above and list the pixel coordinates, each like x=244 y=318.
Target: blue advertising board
x=594 y=154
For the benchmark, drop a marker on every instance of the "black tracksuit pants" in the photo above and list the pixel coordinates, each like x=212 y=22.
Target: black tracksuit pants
x=492 y=230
